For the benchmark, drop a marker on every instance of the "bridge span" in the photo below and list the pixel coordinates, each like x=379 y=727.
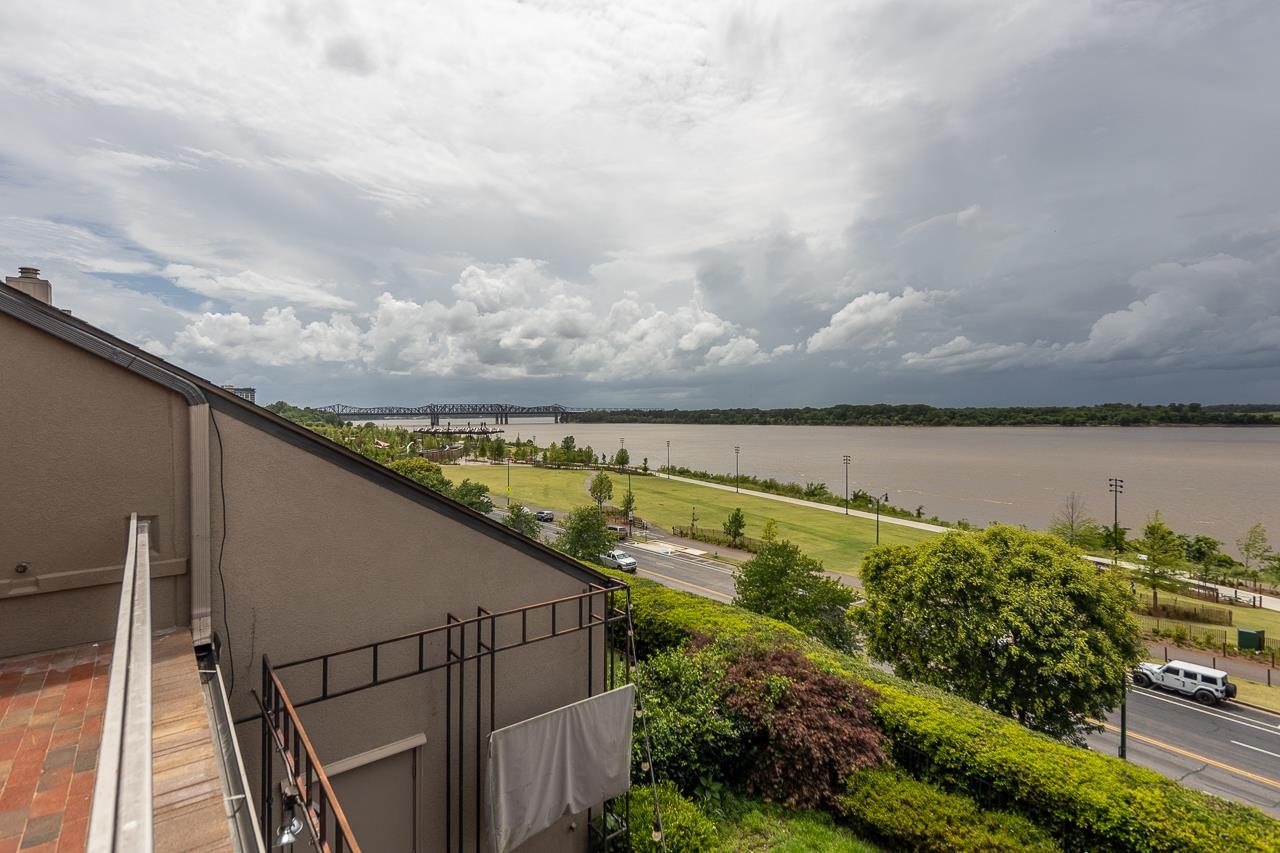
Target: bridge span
x=501 y=413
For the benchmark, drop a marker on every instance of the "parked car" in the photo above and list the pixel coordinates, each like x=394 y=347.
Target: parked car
x=619 y=560
x=618 y=530
x=545 y=515
x=1206 y=685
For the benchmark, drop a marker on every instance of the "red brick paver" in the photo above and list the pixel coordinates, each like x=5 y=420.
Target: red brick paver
x=51 y=706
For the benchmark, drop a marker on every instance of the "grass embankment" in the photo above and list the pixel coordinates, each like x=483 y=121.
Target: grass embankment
x=837 y=540
x=749 y=826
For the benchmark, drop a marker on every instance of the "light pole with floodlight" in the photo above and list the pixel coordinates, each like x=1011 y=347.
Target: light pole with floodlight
x=847 y=460
x=879 y=500
x=1116 y=487
x=736 y=451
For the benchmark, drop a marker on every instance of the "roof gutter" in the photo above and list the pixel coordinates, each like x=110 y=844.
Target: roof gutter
x=48 y=319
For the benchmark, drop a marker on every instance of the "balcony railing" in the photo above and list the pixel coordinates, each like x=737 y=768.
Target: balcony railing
x=121 y=819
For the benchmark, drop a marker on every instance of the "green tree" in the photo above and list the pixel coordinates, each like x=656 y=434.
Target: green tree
x=622 y=458
x=1164 y=555
x=474 y=495
x=1253 y=545
x=1012 y=620
x=628 y=504
x=520 y=519
x=782 y=582
x=601 y=489
x=1073 y=524
x=769 y=533
x=423 y=472
x=734 y=525
x=584 y=535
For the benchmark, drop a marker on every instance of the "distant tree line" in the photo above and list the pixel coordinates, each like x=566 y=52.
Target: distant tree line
x=885 y=414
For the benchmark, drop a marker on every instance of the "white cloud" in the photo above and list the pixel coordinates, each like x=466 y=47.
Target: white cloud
x=505 y=322
x=252 y=286
x=869 y=320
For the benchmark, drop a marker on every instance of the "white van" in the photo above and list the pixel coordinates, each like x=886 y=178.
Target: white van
x=1206 y=685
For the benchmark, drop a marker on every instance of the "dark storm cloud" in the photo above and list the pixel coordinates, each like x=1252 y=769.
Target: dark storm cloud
x=993 y=203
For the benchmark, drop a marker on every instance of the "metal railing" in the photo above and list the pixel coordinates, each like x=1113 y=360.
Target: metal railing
x=305 y=786
x=121 y=818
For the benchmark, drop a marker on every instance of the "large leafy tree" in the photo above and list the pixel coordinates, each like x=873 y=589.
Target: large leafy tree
x=519 y=518
x=584 y=535
x=423 y=472
x=734 y=525
x=782 y=582
x=601 y=489
x=1253 y=545
x=474 y=495
x=1164 y=553
x=1012 y=620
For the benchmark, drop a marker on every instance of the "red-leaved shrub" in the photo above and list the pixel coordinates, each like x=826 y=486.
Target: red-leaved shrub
x=808 y=730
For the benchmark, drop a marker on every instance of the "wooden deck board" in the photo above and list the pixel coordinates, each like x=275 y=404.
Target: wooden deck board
x=187 y=793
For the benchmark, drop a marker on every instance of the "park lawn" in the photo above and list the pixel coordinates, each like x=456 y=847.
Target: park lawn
x=837 y=540
x=1241 y=616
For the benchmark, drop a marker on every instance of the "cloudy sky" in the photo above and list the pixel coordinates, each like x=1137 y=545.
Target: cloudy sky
x=659 y=203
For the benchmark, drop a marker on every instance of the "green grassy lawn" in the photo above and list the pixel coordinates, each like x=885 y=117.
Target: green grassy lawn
x=753 y=827
x=837 y=540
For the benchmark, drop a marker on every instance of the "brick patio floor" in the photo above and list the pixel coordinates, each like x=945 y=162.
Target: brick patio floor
x=51 y=706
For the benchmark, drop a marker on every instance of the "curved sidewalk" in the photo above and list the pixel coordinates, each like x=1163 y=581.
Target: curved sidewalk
x=884 y=519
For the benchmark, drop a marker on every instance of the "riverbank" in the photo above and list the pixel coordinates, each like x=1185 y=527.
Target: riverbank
x=839 y=541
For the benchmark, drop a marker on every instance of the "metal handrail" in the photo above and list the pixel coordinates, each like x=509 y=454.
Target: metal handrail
x=593 y=590
x=305 y=772
x=122 y=815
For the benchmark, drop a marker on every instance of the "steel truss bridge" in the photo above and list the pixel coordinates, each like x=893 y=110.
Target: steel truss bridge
x=500 y=413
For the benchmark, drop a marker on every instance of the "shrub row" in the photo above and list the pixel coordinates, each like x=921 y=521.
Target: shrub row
x=905 y=814
x=1091 y=801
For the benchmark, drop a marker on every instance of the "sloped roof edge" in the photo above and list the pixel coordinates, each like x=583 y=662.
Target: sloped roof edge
x=197 y=390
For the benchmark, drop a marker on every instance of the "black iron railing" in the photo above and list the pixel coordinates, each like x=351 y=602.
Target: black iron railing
x=305 y=785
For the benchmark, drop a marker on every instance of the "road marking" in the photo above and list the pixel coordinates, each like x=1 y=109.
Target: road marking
x=710 y=592
x=1257 y=749
x=1227 y=716
x=1196 y=756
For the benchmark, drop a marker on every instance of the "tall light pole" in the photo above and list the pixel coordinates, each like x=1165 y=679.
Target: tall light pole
x=509 y=478
x=879 y=500
x=847 y=460
x=736 y=451
x=1116 y=487
x=668 y=459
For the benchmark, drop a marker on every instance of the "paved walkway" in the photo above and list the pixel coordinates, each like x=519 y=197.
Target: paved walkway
x=884 y=519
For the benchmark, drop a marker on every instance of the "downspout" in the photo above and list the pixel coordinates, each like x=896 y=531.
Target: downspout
x=35 y=313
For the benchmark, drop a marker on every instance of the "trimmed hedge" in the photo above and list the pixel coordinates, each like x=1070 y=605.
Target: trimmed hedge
x=684 y=827
x=904 y=814
x=1091 y=801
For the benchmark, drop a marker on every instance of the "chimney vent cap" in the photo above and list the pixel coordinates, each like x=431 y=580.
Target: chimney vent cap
x=28 y=272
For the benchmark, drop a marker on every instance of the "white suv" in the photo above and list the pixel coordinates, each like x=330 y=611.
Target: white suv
x=1207 y=686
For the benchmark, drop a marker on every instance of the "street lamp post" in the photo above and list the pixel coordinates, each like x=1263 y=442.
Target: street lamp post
x=668 y=459
x=631 y=496
x=508 y=479
x=847 y=460
x=1116 y=487
x=736 y=451
x=879 y=500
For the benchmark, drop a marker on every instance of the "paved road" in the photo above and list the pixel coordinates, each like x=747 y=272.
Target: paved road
x=1231 y=751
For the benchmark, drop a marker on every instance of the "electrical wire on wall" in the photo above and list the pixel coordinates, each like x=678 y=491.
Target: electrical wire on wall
x=222 y=547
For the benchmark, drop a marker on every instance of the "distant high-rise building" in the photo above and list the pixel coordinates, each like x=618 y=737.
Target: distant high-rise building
x=249 y=394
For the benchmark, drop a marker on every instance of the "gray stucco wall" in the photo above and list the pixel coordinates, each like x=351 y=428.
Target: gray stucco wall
x=82 y=444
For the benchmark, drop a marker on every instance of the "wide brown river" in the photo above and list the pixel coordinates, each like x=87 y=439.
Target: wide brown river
x=1212 y=480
